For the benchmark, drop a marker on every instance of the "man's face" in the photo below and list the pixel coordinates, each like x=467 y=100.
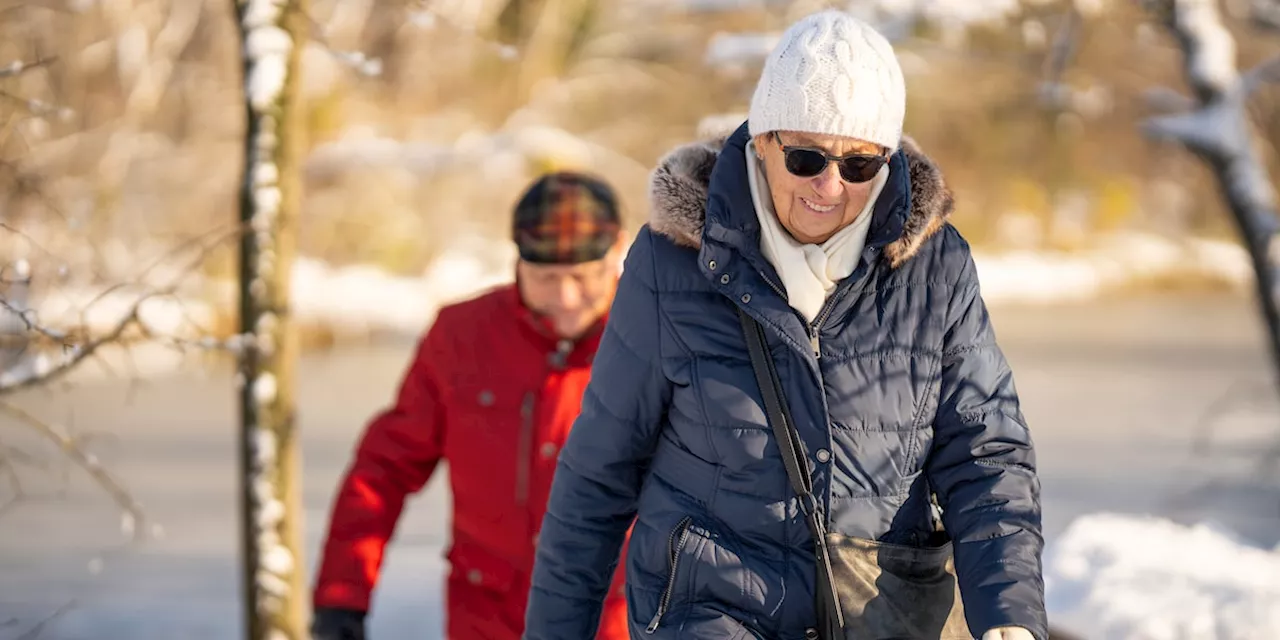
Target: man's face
x=571 y=297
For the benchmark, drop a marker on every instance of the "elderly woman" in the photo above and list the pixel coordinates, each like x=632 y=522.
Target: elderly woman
x=799 y=396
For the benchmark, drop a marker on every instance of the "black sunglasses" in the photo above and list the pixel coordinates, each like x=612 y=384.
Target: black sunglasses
x=807 y=162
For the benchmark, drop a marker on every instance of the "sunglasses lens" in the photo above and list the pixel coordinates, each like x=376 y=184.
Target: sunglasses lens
x=805 y=163
x=860 y=169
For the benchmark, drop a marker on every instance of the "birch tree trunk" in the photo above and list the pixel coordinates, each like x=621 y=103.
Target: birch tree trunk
x=272 y=33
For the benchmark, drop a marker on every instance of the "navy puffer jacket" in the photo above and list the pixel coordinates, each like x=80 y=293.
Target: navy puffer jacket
x=907 y=394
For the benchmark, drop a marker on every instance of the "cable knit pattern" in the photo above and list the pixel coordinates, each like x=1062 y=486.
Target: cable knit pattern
x=831 y=73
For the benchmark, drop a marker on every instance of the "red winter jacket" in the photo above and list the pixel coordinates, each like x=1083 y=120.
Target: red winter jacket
x=495 y=393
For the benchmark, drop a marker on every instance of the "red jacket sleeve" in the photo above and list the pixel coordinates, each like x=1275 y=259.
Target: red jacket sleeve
x=396 y=456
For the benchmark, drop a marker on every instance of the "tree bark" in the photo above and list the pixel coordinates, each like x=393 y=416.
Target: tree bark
x=1219 y=132
x=272 y=34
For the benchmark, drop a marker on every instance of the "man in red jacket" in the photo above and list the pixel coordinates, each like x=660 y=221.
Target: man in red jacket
x=494 y=389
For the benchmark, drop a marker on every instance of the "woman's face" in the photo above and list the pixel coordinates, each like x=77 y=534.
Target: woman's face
x=814 y=209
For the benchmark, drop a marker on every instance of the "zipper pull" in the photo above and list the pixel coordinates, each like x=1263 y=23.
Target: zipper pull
x=813 y=342
x=653 y=624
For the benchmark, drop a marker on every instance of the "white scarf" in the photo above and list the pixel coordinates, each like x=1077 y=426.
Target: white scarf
x=809 y=271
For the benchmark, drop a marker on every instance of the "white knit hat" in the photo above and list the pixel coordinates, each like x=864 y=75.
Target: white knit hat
x=831 y=73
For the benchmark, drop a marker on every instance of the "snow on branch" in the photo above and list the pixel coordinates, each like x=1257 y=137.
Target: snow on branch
x=34 y=107
x=77 y=343
x=272 y=33
x=72 y=355
x=18 y=67
x=39 y=108
x=357 y=61
x=29 y=319
x=1209 y=48
x=1217 y=129
x=1216 y=123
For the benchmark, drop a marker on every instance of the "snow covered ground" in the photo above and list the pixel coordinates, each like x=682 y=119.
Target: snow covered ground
x=363 y=300
x=1144 y=578
x=365 y=297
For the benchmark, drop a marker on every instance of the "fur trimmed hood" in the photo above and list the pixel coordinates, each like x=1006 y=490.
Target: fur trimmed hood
x=679 y=186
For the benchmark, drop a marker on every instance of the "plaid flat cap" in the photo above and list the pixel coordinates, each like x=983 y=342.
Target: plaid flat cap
x=566 y=218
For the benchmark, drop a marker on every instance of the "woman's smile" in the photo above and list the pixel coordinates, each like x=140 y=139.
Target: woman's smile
x=818 y=208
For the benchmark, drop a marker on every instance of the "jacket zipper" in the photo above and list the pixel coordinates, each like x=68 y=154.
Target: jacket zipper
x=814 y=329
x=675 y=545
x=526 y=449
x=814 y=326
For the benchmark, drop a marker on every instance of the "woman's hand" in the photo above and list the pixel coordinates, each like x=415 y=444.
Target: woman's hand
x=1008 y=633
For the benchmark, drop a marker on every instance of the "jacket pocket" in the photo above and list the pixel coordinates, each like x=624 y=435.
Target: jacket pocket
x=890 y=591
x=474 y=566
x=482 y=596
x=676 y=543
x=707 y=622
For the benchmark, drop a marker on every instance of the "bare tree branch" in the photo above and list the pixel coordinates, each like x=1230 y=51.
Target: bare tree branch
x=1061 y=51
x=205 y=242
x=32 y=323
x=1215 y=128
x=72 y=357
x=1265 y=14
x=1266 y=71
x=6 y=227
x=8 y=463
x=35 y=4
x=38 y=107
x=75 y=352
x=18 y=67
x=357 y=61
x=144 y=98
x=1166 y=100
x=71 y=448
x=34 y=632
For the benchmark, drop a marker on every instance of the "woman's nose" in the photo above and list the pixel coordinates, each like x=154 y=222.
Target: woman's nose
x=828 y=183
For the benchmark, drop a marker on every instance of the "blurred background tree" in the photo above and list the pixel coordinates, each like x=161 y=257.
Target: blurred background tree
x=122 y=126
x=426 y=118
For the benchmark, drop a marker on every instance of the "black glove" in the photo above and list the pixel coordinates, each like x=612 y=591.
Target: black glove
x=337 y=624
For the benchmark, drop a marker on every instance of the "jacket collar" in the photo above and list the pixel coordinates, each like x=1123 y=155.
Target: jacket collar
x=700 y=189
x=540 y=332
x=700 y=198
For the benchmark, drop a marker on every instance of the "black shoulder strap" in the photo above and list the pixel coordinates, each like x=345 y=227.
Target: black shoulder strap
x=775 y=403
